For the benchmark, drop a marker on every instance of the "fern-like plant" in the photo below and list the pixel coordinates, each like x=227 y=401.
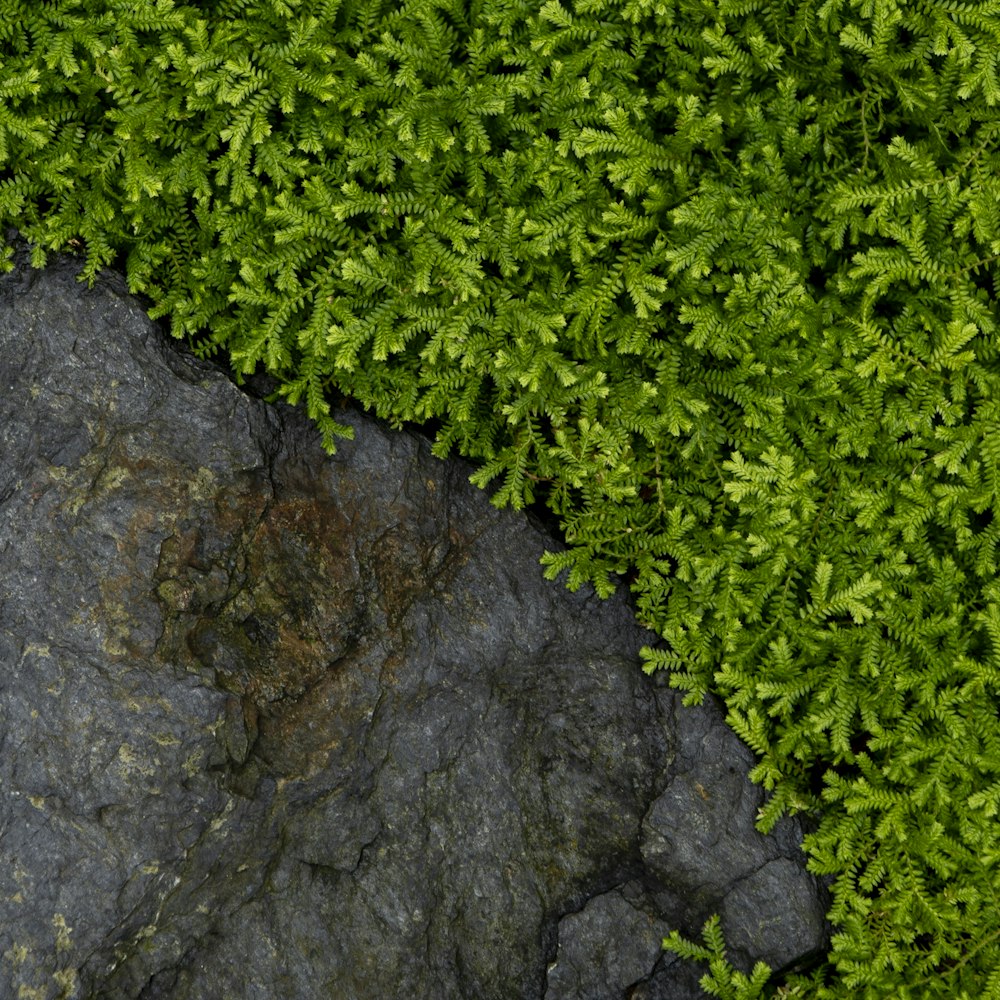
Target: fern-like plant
x=714 y=280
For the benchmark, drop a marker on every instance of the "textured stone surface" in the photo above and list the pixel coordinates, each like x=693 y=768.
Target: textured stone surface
x=276 y=724
x=606 y=947
x=707 y=809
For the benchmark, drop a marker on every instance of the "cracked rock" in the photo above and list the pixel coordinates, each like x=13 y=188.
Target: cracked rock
x=279 y=724
x=604 y=949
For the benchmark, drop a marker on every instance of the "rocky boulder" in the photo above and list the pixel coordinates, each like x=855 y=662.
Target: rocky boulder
x=276 y=724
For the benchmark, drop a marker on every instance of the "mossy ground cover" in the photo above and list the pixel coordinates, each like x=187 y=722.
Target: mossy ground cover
x=715 y=281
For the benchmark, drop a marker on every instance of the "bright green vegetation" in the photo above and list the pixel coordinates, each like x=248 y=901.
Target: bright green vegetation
x=715 y=280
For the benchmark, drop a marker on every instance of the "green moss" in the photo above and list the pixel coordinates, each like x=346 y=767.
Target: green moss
x=715 y=280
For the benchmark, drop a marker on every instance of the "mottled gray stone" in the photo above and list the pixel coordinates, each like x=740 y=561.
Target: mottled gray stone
x=699 y=841
x=771 y=915
x=278 y=724
x=604 y=949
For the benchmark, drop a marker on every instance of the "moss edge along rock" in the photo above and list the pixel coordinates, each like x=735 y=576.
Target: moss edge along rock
x=283 y=724
x=714 y=281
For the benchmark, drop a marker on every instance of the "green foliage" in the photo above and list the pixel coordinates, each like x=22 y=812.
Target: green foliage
x=722 y=980
x=714 y=280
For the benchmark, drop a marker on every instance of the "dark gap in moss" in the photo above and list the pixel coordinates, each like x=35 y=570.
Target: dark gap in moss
x=491 y=269
x=538 y=512
x=502 y=69
x=981 y=521
x=815 y=776
x=988 y=281
x=850 y=79
x=884 y=309
x=818 y=279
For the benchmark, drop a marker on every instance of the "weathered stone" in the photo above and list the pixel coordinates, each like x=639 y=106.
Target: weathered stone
x=606 y=948
x=699 y=840
x=278 y=724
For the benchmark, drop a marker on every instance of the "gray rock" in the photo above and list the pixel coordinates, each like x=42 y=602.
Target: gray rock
x=604 y=949
x=771 y=915
x=277 y=724
x=699 y=840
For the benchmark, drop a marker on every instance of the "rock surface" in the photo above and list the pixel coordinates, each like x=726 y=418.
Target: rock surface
x=275 y=724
